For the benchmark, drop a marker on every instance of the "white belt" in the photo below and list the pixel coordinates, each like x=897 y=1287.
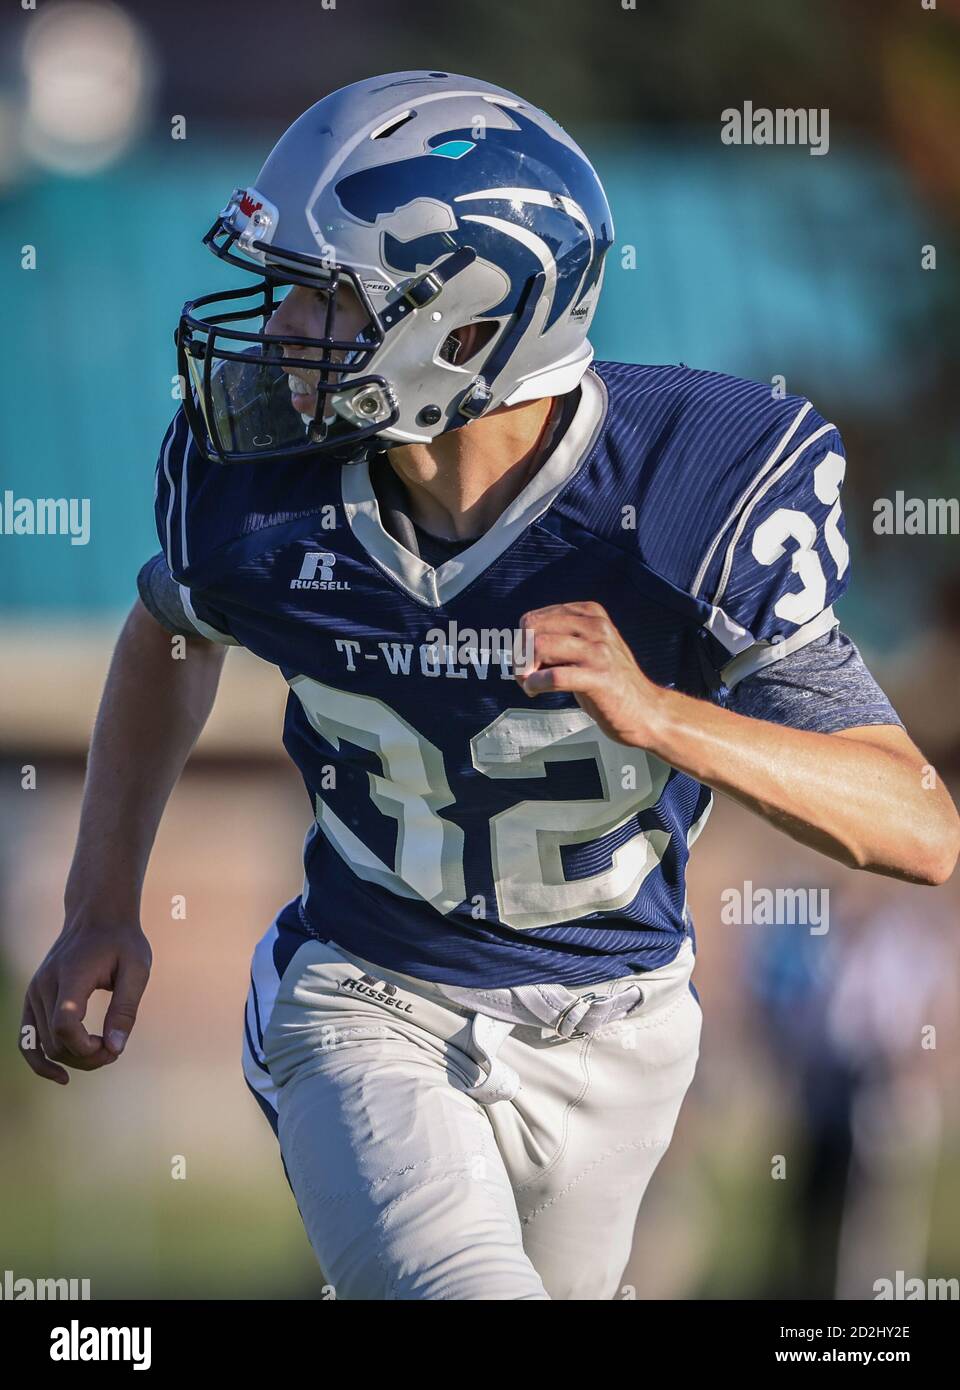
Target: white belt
x=494 y=1013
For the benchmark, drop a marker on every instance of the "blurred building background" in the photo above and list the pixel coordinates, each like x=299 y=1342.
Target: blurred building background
x=763 y=262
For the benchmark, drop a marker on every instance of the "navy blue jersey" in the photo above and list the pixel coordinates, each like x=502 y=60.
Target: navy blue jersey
x=465 y=833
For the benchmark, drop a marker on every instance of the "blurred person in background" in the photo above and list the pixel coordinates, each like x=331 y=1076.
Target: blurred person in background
x=892 y=1014
x=790 y=975
x=845 y=1018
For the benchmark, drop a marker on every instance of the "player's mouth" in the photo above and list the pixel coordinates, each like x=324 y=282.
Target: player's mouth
x=303 y=396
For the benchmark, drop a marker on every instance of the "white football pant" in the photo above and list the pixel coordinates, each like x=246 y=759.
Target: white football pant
x=438 y=1150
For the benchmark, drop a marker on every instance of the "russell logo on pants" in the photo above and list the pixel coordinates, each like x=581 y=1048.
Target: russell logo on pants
x=367 y=986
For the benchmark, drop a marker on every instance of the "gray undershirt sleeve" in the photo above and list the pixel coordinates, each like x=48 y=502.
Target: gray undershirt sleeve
x=160 y=595
x=822 y=688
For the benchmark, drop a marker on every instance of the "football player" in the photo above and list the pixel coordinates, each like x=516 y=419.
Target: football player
x=533 y=611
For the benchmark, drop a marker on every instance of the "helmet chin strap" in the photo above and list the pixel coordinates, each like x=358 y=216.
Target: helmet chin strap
x=425 y=290
x=477 y=397
x=417 y=295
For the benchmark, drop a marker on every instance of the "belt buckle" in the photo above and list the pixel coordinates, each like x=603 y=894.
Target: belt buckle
x=578 y=1033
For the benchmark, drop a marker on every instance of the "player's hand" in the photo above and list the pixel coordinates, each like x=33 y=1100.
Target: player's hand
x=84 y=958
x=577 y=648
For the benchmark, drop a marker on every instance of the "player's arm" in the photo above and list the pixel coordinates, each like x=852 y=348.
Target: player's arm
x=861 y=795
x=152 y=710
x=864 y=796
x=811 y=743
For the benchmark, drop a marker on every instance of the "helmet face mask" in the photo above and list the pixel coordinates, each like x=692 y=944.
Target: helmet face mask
x=237 y=394
x=379 y=189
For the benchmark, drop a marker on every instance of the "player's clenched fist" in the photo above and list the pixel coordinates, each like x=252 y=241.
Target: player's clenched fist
x=577 y=648
x=82 y=960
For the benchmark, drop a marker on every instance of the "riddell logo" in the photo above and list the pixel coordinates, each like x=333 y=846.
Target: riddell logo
x=316 y=572
x=247 y=206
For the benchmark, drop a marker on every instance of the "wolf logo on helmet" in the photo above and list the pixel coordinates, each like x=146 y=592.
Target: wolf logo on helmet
x=483 y=208
x=509 y=230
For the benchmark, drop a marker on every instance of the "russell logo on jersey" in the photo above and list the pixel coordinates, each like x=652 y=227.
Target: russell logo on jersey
x=316 y=572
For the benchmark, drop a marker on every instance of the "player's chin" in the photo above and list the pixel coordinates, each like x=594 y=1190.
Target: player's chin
x=302 y=404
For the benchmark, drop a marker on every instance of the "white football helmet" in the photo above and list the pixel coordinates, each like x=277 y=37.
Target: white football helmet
x=442 y=201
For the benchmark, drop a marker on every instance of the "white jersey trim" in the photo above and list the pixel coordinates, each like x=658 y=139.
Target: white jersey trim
x=754 y=658
x=728 y=632
x=437 y=586
x=171 y=494
x=213 y=634
x=184 y=485
x=760 y=493
x=744 y=497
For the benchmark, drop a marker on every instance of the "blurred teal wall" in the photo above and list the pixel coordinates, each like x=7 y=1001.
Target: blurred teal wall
x=755 y=264
x=770 y=262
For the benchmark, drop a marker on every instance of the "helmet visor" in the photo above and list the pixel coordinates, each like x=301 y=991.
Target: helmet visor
x=247 y=406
